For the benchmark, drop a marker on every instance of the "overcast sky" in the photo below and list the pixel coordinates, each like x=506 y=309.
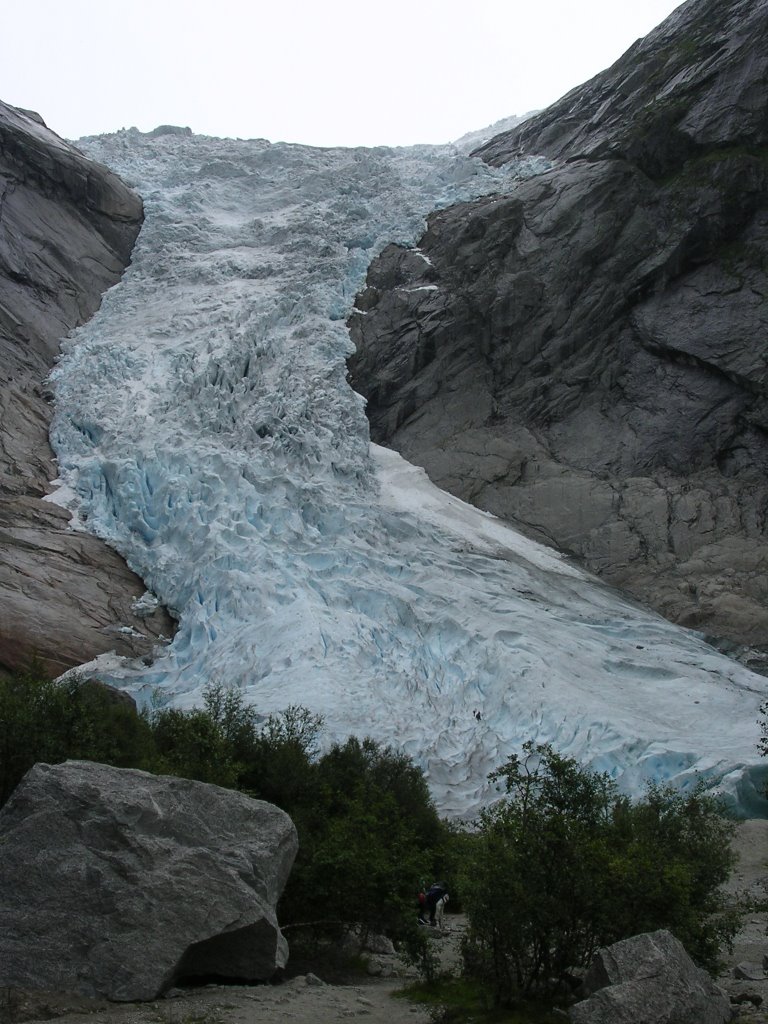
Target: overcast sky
x=331 y=72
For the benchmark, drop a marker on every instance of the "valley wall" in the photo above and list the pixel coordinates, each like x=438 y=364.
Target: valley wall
x=588 y=356
x=67 y=228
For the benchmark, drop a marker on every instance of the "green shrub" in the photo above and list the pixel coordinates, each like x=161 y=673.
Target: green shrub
x=563 y=865
x=367 y=826
x=278 y=759
x=42 y=720
x=191 y=744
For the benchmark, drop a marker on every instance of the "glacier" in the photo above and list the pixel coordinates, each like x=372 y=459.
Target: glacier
x=204 y=427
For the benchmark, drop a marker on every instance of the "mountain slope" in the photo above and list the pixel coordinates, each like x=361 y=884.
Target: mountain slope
x=67 y=227
x=206 y=428
x=590 y=360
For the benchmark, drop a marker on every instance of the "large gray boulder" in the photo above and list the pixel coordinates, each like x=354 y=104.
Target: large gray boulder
x=67 y=229
x=592 y=359
x=649 y=979
x=121 y=884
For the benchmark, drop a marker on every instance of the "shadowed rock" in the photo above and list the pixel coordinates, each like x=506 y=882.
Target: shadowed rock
x=67 y=228
x=121 y=884
x=588 y=355
x=649 y=979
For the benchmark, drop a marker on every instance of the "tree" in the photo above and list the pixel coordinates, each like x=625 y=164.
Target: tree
x=191 y=745
x=226 y=743
x=277 y=762
x=563 y=864
x=49 y=721
x=366 y=832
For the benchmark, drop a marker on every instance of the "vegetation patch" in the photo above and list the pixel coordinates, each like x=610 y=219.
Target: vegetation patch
x=561 y=865
x=459 y=1000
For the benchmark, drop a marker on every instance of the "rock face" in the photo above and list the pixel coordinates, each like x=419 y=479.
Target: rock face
x=67 y=228
x=588 y=355
x=121 y=884
x=649 y=979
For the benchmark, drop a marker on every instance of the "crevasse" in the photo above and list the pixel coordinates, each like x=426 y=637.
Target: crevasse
x=206 y=430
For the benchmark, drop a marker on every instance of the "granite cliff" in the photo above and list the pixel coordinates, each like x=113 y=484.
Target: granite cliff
x=67 y=228
x=587 y=355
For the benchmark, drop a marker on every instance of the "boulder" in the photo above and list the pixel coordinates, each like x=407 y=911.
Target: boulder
x=747 y=971
x=67 y=229
x=649 y=979
x=589 y=360
x=119 y=884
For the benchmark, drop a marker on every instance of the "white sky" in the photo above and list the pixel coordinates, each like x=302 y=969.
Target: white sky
x=329 y=72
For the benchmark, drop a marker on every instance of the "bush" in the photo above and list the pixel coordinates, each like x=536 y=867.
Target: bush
x=191 y=744
x=277 y=762
x=226 y=743
x=563 y=865
x=48 y=721
x=673 y=852
x=367 y=826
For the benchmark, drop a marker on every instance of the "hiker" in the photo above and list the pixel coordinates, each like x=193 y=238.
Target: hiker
x=422 y=897
x=435 y=892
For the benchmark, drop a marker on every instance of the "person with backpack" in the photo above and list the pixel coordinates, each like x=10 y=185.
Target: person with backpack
x=435 y=892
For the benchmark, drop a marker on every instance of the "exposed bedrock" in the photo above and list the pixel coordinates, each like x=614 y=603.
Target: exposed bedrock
x=67 y=228
x=587 y=355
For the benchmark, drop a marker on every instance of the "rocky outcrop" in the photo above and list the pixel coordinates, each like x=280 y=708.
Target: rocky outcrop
x=649 y=979
x=588 y=355
x=121 y=884
x=67 y=228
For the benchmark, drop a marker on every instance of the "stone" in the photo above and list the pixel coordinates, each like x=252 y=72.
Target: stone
x=592 y=364
x=360 y=940
x=649 y=979
x=696 y=82
x=380 y=944
x=67 y=229
x=750 y=972
x=119 y=884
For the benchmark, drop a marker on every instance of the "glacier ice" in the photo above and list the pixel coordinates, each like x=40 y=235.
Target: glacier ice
x=205 y=428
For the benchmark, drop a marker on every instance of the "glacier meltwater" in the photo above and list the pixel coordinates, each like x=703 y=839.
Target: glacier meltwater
x=205 y=428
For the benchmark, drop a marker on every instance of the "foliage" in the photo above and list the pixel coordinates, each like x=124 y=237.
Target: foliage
x=192 y=745
x=673 y=852
x=365 y=819
x=563 y=865
x=367 y=825
x=417 y=949
x=458 y=1000
x=278 y=763
x=48 y=721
